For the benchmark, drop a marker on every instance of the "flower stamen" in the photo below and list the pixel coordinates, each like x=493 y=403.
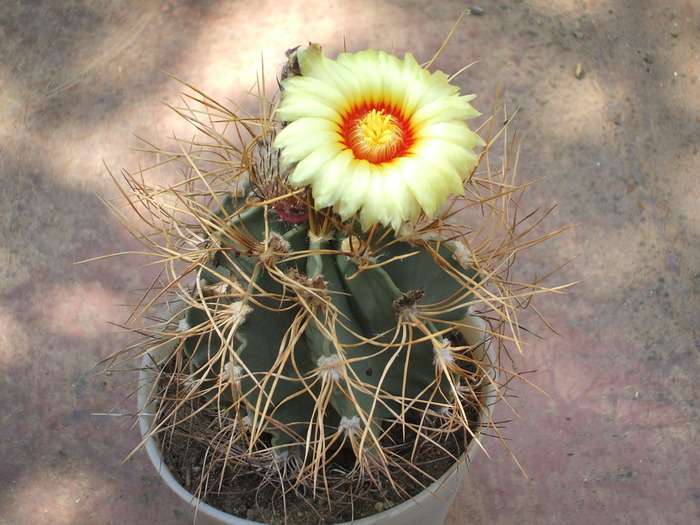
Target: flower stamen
x=376 y=136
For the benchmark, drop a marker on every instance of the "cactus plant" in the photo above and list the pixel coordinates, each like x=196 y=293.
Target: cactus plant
x=314 y=324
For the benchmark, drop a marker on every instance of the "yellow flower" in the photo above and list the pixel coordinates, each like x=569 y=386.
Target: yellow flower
x=374 y=134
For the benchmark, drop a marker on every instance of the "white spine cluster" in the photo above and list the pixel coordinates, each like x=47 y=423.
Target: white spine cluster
x=280 y=459
x=239 y=311
x=463 y=255
x=443 y=353
x=184 y=326
x=349 y=426
x=234 y=372
x=328 y=366
x=218 y=289
x=276 y=245
x=238 y=187
x=357 y=253
x=409 y=233
x=323 y=237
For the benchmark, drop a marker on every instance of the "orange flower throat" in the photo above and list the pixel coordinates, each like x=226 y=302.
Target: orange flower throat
x=376 y=135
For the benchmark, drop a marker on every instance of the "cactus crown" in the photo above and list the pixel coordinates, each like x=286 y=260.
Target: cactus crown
x=310 y=335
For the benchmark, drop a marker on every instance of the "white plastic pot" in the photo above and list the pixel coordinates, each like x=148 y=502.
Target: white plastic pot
x=429 y=507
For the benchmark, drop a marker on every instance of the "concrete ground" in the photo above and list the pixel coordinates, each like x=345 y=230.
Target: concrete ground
x=609 y=112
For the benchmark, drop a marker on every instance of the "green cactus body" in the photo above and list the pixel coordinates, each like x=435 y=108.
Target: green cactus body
x=310 y=338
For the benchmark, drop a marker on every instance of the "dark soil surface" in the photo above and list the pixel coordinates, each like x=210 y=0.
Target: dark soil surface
x=245 y=493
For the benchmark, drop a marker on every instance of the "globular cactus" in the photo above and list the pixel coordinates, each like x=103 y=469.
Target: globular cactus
x=326 y=296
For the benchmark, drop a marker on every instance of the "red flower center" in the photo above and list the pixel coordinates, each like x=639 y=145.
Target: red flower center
x=376 y=134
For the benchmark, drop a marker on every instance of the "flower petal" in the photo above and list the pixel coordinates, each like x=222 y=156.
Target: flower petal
x=313 y=167
x=356 y=188
x=300 y=138
x=331 y=178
